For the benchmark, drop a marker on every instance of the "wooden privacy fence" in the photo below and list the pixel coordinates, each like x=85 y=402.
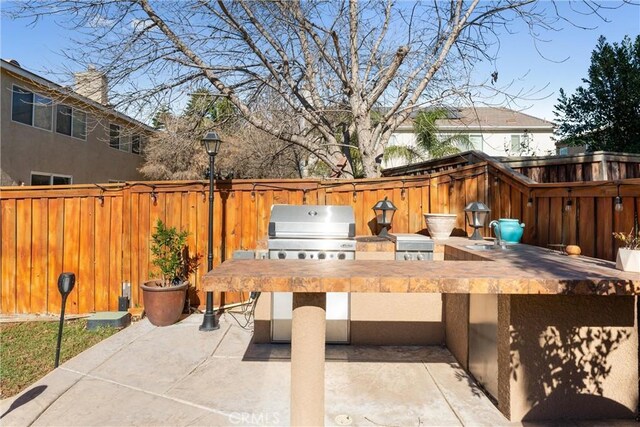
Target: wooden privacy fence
x=102 y=233
x=598 y=166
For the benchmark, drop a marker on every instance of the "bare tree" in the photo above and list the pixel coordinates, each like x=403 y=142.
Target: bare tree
x=175 y=152
x=331 y=63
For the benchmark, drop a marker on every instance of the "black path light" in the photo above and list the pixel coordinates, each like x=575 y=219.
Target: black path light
x=66 y=282
x=211 y=143
x=384 y=211
x=477 y=213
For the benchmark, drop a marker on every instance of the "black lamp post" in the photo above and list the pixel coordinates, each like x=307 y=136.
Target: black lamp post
x=384 y=211
x=211 y=143
x=476 y=216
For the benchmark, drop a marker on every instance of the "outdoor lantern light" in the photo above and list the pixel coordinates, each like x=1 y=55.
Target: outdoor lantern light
x=211 y=143
x=384 y=211
x=477 y=213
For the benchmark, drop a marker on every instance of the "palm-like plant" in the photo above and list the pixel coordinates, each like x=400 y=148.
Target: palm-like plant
x=430 y=142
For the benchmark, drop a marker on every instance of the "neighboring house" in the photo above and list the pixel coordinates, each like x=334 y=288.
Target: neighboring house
x=50 y=134
x=495 y=131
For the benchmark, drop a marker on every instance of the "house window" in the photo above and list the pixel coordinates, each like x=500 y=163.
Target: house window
x=70 y=121
x=135 y=144
x=63 y=119
x=124 y=142
x=79 y=125
x=22 y=106
x=516 y=146
x=114 y=136
x=31 y=109
x=39 y=178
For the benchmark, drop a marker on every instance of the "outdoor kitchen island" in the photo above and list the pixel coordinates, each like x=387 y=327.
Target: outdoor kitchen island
x=582 y=295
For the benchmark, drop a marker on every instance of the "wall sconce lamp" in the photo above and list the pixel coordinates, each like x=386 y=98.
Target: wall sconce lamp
x=530 y=202
x=384 y=211
x=617 y=203
x=477 y=213
x=496 y=181
x=154 y=197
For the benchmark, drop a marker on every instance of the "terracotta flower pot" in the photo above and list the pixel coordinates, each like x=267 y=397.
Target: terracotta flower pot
x=440 y=225
x=163 y=305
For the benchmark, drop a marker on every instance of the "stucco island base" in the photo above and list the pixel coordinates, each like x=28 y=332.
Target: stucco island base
x=307 y=358
x=559 y=356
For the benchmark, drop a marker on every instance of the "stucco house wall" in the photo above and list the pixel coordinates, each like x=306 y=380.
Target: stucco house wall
x=27 y=149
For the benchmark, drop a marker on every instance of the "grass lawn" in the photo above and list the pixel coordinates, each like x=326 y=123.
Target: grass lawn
x=28 y=350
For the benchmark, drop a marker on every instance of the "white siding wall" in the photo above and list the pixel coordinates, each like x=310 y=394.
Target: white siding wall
x=493 y=143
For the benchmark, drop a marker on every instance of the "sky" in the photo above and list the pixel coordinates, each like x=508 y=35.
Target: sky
x=566 y=54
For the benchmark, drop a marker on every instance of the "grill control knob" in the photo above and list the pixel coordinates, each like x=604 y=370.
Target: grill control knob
x=420 y=257
x=342 y=255
x=302 y=255
x=407 y=257
x=282 y=255
x=322 y=255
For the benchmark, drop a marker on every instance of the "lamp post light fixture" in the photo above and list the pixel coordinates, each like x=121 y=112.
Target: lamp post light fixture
x=211 y=143
x=477 y=213
x=384 y=211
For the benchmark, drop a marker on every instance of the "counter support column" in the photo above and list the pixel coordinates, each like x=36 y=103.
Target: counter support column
x=307 y=358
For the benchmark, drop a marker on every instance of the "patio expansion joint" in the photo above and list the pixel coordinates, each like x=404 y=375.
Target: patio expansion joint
x=37 y=417
x=203 y=361
x=426 y=367
x=81 y=376
x=138 y=389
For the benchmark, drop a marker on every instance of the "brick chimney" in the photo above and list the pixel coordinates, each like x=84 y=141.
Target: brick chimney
x=92 y=84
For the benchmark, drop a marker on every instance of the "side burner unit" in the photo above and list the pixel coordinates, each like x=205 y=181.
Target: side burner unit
x=412 y=247
x=314 y=233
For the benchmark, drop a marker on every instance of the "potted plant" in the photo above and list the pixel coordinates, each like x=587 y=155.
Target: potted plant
x=164 y=298
x=628 y=258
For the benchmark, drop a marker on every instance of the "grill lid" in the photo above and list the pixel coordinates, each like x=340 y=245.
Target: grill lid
x=312 y=221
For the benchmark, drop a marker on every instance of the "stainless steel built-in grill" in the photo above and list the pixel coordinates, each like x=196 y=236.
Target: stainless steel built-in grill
x=412 y=247
x=311 y=232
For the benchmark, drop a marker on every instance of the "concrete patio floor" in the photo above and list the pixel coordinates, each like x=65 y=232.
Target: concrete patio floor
x=179 y=376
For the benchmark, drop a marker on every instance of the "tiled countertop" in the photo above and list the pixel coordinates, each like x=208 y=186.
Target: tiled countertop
x=522 y=269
